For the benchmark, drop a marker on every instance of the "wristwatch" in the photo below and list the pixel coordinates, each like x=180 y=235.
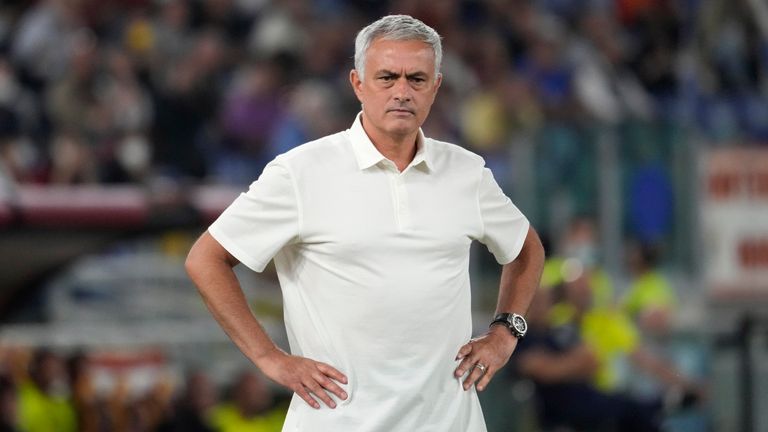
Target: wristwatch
x=514 y=322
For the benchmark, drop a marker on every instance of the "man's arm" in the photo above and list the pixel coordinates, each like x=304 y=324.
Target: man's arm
x=519 y=280
x=209 y=266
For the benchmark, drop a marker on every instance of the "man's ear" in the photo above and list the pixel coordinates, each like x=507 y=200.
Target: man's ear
x=438 y=81
x=356 y=82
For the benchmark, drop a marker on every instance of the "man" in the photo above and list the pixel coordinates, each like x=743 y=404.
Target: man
x=370 y=231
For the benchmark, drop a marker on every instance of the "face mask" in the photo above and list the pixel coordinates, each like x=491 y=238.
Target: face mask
x=586 y=253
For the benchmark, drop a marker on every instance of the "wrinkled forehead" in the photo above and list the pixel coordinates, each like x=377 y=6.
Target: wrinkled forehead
x=399 y=54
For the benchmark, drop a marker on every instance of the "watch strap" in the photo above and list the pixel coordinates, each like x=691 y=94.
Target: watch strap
x=507 y=319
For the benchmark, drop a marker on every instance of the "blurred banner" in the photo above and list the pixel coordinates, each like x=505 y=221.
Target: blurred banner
x=734 y=216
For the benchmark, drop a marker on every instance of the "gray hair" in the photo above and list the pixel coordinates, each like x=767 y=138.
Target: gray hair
x=396 y=27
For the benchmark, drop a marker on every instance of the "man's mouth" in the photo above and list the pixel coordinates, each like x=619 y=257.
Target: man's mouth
x=401 y=110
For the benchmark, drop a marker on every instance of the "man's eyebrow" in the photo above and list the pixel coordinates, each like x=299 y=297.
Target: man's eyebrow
x=385 y=72
x=382 y=72
x=418 y=74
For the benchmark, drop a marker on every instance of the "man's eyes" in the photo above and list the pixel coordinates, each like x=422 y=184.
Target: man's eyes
x=415 y=79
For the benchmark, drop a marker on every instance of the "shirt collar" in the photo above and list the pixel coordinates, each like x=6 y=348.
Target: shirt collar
x=368 y=155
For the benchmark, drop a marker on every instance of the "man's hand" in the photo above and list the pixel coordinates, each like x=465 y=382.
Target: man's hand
x=307 y=378
x=491 y=350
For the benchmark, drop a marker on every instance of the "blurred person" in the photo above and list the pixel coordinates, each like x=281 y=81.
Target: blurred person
x=562 y=368
x=89 y=408
x=252 y=408
x=123 y=94
x=192 y=411
x=656 y=27
x=606 y=88
x=251 y=111
x=71 y=102
x=488 y=57
x=72 y=160
x=20 y=119
x=128 y=105
x=171 y=36
x=83 y=397
x=12 y=164
x=312 y=112
x=138 y=36
x=323 y=51
x=618 y=347
x=523 y=110
x=577 y=253
x=132 y=411
x=550 y=72
x=650 y=300
x=45 y=39
x=186 y=105
x=281 y=27
x=370 y=229
x=731 y=46
x=9 y=416
x=153 y=407
x=43 y=397
x=225 y=16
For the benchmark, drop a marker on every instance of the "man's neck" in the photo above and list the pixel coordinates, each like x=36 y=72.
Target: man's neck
x=399 y=149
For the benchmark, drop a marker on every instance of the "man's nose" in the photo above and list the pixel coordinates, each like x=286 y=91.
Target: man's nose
x=402 y=90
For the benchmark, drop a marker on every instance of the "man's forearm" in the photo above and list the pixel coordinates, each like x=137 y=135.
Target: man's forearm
x=521 y=277
x=217 y=283
x=519 y=280
x=210 y=267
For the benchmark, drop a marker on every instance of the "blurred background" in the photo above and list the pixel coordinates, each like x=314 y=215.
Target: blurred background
x=632 y=133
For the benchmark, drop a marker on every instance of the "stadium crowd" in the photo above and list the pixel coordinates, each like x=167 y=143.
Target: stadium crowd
x=208 y=91
x=43 y=390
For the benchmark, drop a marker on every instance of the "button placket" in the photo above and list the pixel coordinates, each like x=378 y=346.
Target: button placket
x=404 y=214
x=399 y=193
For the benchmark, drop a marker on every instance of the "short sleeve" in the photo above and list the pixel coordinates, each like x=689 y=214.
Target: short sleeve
x=261 y=221
x=504 y=226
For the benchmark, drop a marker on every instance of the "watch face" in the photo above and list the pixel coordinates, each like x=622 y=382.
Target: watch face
x=519 y=323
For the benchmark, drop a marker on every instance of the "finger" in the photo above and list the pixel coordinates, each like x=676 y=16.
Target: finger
x=465 y=365
x=485 y=379
x=304 y=394
x=330 y=385
x=464 y=351
x=320 y=393
x=473 y=376
x=332 y=372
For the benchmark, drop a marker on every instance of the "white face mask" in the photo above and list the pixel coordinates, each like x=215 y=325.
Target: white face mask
x=585 y=252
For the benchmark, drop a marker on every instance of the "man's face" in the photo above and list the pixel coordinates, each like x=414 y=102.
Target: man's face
x=398 y=88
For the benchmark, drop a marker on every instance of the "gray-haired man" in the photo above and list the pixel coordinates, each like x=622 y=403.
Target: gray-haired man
x=370 y=230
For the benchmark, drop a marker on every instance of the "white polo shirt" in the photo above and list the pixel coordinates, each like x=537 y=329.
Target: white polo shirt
x=374 y=269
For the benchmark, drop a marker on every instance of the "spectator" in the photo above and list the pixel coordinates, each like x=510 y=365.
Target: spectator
x=193 y=409
x=563 y=367
x=172 y=36
x=186 y=105
x=650 y=300
x=46 y=37
x=43 y=398
x=8 y=405
x=252 y=408
x=614 y=341
x=72 y=160
x=577 y=255
x=251 y=111
x=312 y=112
x=72 y=102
